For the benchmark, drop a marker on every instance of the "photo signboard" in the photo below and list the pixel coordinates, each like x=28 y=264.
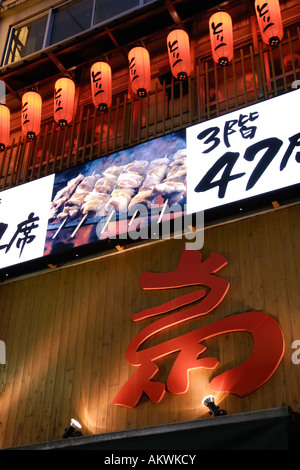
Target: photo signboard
x=249 y=152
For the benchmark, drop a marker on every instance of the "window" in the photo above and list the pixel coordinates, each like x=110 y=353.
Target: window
x=71 y=20
x=26 y=39
x=65 y=21
x=105 y=9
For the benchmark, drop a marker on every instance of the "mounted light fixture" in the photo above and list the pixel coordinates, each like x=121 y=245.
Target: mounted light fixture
x=221 y=37
x=269 y=21
x=101 y=84
x=178 y=44
x=209 y=401
x=64 y=96
x=139 y=70
x=73 y=430
x=4 y=127
x=31 y=114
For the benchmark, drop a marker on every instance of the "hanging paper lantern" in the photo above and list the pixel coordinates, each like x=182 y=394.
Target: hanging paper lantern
x=269 y=21
x=139 y=70
x=64 y=95
x=101 y=84
x=221 y=37
x=4 y=127
x=31 y=114
x=178 y=44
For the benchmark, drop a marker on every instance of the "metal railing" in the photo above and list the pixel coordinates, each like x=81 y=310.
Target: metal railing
x=252 y=76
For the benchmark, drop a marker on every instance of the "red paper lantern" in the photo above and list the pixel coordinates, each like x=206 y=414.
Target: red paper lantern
x=139 y=70
x=178 y=44
x=4 y=127
x=101 y=84
x=64 y=96
x=221 y=37
x=269 y=21
x=31 y=114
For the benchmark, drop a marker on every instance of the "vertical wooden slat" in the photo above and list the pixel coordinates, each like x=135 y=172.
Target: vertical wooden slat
x=6 y=158
x=198 y=94
x=44 y=150
x=49 y=156
x=243 y=76
x=3 y=158
x=101 y=135
x=86 y=133
x=115 y=137
x=124 y=122
x=216 y=88
x=62 y=159
x=207 y=91
x=292 y=55
x=93 y=134
x=78 y=136
x=56 y=148
x=71 y=142
x=109 y=113
x=282 y=67
x=273 y=73
x=255 y=78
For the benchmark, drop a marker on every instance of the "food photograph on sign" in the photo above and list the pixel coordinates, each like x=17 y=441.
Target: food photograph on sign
x=98 y=199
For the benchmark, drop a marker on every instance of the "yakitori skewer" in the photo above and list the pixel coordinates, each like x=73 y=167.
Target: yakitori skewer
x=73 y=204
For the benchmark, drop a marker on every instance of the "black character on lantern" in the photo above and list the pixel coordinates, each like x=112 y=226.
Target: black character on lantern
x=57 y=100
x=96 y=77
x=217 y=31
x=23 y=231
x=133 y=70
x=263 y=13
x=24 y=113
x=173 y=47
x=97 y=80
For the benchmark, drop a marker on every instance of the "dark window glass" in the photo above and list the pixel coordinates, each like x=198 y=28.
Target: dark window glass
x=27 y=39
x=106 y=9
x=71 y=20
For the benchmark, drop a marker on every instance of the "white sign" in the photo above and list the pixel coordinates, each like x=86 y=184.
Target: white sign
x=244 y=154
x=24 y=212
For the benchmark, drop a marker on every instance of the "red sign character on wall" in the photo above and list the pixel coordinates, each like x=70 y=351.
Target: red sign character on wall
x=242 y=380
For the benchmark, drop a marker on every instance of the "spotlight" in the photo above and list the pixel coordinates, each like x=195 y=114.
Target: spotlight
x=209 y=401
x=73 y=430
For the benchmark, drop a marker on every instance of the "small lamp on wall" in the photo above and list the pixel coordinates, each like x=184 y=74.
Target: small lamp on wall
x=73 y=430
x=215 y=410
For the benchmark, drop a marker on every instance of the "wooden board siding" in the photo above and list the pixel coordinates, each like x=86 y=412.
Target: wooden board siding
x=66 y=332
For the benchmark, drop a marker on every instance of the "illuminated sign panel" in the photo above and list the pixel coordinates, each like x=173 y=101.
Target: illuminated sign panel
x=243 y=154
x=24 y=214
x=240 y=155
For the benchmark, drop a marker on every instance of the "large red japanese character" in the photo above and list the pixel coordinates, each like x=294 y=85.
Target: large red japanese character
x=268 y=345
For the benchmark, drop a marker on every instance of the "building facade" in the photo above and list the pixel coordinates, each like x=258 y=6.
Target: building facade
x=75 y=317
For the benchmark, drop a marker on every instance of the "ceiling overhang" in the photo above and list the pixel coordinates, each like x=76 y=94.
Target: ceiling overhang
x=113 y=38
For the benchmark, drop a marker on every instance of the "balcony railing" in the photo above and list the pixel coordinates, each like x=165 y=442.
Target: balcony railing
x=252 y=76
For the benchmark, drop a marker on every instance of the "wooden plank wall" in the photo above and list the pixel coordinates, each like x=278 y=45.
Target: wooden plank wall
x=66 y=332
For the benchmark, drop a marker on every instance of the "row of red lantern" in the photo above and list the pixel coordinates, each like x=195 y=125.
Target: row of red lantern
x=269 y=20
x=221 y=37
